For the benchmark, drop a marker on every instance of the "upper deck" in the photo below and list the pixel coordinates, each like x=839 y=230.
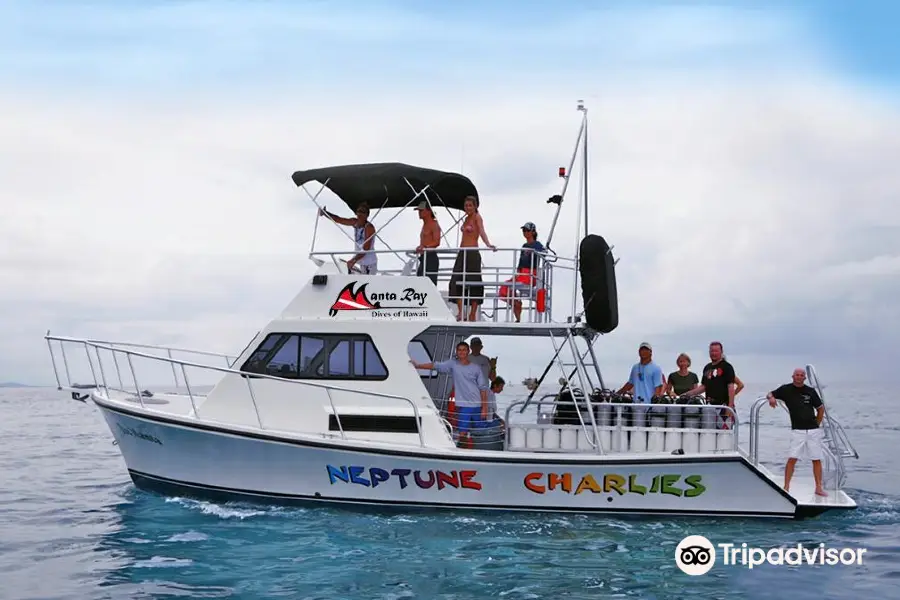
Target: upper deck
x=518 y=290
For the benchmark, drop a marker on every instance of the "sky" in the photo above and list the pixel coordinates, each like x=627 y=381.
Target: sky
x=742 y=162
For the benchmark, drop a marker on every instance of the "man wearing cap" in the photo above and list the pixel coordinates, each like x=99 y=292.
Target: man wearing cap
x=526 y=279
x=646 y=378
x=430 y=237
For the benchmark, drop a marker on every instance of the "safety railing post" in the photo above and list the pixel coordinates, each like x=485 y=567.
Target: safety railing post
x=137 y=386
x=102 y=372
x=87 y=352
x=187 y=385
x=53 y=360
x=253 y=399
x=174 y=372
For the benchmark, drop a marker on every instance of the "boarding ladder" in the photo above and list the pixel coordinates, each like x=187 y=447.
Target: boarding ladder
x=834 y=473
x=578 y=371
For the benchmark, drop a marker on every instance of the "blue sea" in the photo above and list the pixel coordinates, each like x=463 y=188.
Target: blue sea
x=73 y=526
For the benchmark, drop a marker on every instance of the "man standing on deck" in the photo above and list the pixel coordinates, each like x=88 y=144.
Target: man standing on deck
x=646 y=378
x=480 y=359
x=429 y=237
x=806 y=410
x=470 y=388
x=718 y=381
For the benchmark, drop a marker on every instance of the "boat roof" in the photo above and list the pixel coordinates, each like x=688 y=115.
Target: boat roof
x=390 y=184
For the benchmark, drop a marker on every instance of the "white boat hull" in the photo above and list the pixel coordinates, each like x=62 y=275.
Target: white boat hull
x=175 y=457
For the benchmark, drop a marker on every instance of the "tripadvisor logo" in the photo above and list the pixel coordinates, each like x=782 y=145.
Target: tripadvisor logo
x=695 y=555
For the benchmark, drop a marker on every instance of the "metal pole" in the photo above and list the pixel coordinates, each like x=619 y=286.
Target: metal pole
x=585 y=157
x=137 y=386
x=53 y=360
x=566 y=182
x=172 y=364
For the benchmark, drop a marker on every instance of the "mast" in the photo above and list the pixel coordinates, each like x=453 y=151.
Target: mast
x=582 y=201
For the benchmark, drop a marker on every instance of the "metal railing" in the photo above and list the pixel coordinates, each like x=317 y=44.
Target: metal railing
x=500 y=285
x=102 y=383
x=622 y=416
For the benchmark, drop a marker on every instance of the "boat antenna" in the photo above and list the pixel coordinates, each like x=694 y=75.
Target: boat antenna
x=565 y=173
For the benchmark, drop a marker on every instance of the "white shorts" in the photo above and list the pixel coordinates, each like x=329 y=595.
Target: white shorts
x=807 y=443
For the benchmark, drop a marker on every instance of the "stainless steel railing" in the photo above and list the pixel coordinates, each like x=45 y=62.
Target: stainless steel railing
x=620 y=420
x=494 y=284
x=102 y=382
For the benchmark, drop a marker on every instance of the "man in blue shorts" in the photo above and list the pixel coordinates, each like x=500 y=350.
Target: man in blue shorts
x=470 y=387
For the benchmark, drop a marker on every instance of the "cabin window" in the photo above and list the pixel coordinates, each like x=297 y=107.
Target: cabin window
x=418 y=352
x=317 y=356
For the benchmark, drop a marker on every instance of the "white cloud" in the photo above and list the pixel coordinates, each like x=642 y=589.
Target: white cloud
x=746 y=208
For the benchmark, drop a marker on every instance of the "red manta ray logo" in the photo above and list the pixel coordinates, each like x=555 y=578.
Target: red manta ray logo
x=350 y=300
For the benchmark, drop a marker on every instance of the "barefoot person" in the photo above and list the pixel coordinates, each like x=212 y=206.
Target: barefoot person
x=806 y=410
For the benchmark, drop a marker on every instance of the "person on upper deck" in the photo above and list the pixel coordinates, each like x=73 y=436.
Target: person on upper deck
x=646 y=378
x=363 y=237
x=467 y=268
x=470 y=388
x=683 y=380
x=526 y=280
x=429 y=237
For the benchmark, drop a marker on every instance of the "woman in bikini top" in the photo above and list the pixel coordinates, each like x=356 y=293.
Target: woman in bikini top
x=473 y=227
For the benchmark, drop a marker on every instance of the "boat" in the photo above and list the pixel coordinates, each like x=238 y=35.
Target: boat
x=329 y=403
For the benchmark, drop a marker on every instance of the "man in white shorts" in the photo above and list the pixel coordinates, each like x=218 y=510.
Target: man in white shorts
x=807 y=437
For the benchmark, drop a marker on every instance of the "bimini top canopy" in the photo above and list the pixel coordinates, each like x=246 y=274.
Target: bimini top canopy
x=384 y=185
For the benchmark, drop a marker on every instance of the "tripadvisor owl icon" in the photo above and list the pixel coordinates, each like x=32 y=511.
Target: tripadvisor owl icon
x=695 y=555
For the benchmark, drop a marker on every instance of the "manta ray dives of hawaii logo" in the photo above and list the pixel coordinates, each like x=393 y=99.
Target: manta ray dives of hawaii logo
x=410 y=303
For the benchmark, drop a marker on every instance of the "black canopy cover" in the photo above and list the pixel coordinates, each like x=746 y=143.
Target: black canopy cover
x=382 y=185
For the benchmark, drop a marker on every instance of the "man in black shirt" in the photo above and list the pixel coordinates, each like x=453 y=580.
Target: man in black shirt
x=806 y=410
x=717 y=381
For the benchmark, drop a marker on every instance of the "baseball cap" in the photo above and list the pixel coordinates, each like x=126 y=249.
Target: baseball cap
x=476 y=341
x=646 y=345
x=423 y=205
x=529 y=226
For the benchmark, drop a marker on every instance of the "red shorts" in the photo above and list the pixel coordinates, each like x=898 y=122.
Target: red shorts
x=525 y=280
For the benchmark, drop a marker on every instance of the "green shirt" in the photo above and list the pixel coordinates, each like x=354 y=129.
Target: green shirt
x=682 y=383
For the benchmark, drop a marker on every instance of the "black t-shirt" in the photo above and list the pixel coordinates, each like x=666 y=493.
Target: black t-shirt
x=802 y=403
x=715 y=381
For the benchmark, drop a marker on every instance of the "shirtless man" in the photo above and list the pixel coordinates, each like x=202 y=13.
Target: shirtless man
x=430 y=237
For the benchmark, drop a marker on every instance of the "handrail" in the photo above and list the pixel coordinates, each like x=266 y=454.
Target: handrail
x=490 y=278
x=160 y=347
x=732 y=412
x=243 y=374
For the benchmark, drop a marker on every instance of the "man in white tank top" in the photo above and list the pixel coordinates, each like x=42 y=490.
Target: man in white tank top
x=364 y=239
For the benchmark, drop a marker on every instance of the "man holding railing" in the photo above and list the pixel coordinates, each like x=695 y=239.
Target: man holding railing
x=807 y=411
x=470 y=388
x=363 y=238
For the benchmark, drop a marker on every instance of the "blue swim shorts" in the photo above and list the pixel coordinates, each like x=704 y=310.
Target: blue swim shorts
x=467 y=417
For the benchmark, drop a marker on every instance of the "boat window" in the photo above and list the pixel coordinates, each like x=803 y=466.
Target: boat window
x=317 y=356
x=418 y=352
x=339 y=359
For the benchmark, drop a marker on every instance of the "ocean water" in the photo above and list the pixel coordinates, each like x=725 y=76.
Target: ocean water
x=73 y=526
